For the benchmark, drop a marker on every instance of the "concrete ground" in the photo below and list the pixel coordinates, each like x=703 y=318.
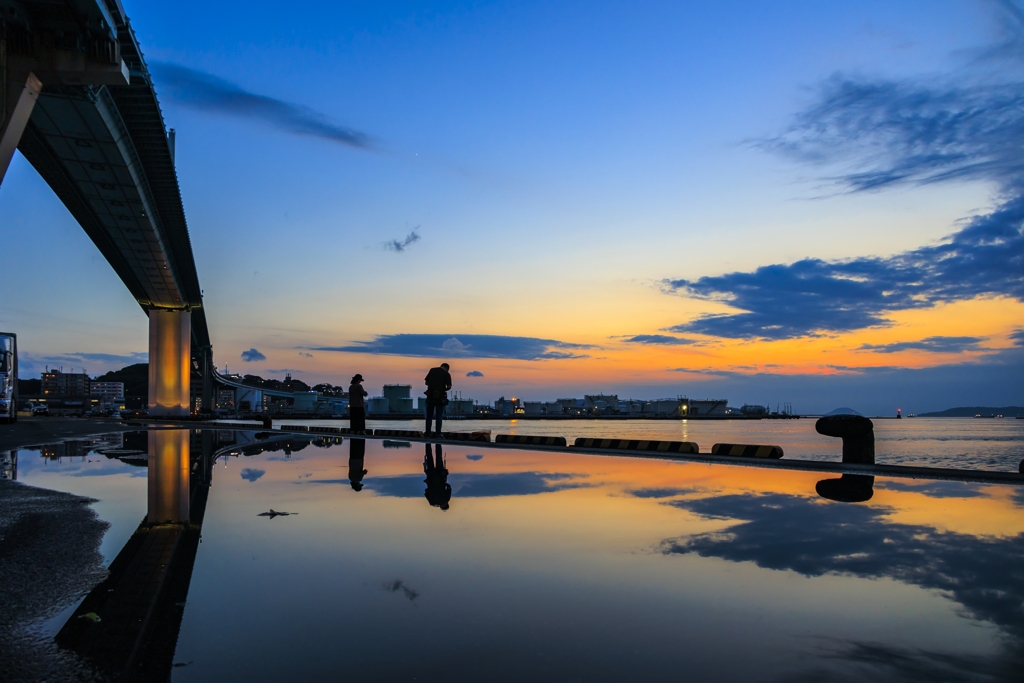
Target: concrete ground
x=35 y=431
x=49 y=558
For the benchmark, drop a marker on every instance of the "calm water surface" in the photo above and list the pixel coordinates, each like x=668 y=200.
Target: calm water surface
x=985 y=444
x=520 y=565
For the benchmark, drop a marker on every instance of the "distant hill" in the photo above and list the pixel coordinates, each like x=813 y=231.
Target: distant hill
x=135 y=378
x=971 y=411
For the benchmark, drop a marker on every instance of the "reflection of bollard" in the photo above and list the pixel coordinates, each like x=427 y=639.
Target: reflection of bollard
x=849 y=488
x=857 y=433
x=267 y=422
x=1020 y=467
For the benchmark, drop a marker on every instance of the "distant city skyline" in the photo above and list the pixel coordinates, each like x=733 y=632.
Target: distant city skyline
x=819 y=204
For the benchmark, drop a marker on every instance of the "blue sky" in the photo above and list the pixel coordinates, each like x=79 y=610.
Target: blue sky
x=569 y=197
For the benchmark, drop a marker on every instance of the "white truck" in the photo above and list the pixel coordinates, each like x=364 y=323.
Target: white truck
x=8 y=377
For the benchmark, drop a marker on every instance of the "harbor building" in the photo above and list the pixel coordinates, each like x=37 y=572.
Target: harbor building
x=57 y=383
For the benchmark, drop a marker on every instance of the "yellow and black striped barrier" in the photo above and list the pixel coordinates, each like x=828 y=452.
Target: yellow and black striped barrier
x=294 y=428
x=329 y=430
x=638 y=445
x=397 y=432
x=482 y=435
x=524 y=440
x=747 y=450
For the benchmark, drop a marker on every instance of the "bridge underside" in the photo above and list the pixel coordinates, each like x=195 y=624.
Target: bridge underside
x=79 y=104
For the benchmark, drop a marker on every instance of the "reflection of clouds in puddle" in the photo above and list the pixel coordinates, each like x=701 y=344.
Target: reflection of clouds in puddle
x=474 y=457
x=868 y=661
x=250 y=474
x=934 y=489
x=655 y=492
x=475 y=485
x=814 y=538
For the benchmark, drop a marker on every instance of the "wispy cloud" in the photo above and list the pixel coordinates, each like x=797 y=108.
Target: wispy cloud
x=463 y=346
x=401 y=245
x=930 y=344
x=887 y=133
x=250 y=474
x=474 y=373
x=1018 y=337
x=660 y=339
x=252 y=355
x=207 y=92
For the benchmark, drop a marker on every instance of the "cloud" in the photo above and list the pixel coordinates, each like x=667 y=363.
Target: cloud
x=250 y=474
x=930 y=344
x=474 y=373
x=473 y=485
x=463 y=346
x=474 y=456
x=814 y=538
x=1018 y=337
x=305 y=354
x=884 y=133
x=207 y=92
x=252 y=355
x=400 y=246
x=659 y=339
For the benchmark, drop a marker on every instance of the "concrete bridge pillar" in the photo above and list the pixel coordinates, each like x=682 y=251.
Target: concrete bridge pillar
x=168 y=479
x=170 y=359
x=18 y=95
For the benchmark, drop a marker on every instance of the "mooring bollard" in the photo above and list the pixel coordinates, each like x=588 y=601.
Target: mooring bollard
x=857 y=433
x=267 y=421
x=849 y=488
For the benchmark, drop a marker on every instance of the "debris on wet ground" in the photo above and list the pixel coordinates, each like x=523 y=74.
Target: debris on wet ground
x=91 y=616
x=274 y=513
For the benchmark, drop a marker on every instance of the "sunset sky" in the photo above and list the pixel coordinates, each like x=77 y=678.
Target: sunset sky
x=813 y=202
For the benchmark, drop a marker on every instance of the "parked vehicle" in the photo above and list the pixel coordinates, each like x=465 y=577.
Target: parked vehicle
x=8 y=377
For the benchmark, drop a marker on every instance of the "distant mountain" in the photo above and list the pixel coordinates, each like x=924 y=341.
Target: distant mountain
x=971 y=411
x=135 y=378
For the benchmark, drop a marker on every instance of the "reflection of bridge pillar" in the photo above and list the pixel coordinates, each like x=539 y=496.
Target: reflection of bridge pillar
x=168 y=477
x=18 y=95
x=170 y=357
x=206 y=370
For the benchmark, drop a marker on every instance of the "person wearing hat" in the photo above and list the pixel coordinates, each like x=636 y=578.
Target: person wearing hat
x=356 y=406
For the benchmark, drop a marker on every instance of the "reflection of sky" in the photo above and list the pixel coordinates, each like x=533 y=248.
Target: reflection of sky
x=760 y=579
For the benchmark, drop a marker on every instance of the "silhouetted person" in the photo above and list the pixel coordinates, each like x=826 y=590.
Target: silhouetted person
x=439 y=383
x=439 y=491
x=356 y=453
x=356 y=405
x=849 y=488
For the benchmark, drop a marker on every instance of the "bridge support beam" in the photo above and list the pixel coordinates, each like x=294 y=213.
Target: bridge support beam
x=170 y=360
x=169 y=466
x=18 y=95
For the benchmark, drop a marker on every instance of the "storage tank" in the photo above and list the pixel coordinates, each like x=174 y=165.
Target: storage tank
x=378 y=405
x=394 y=393
x=403 y=405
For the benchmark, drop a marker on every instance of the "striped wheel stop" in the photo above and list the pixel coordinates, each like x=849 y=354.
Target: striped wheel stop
x=482 y=435
x=638 y=445
x=747 y=450
x=398 y=432
x=524 y=440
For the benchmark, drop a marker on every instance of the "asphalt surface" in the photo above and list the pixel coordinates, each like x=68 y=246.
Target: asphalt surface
x=35 y=431
x=49 y=559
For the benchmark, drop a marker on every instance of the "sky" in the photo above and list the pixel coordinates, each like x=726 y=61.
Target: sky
x=818 y=203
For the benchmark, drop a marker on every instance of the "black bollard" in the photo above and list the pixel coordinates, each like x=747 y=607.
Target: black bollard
x=857 y=433
x=1020 y=467
x=267 y=422
x=849 y=488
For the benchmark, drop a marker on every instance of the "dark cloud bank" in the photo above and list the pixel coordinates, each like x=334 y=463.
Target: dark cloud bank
x=463 y=346
x=207 y=92
x=887 y=133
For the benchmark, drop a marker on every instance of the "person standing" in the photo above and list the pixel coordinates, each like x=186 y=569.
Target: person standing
x=439 y=383
x=356 y=405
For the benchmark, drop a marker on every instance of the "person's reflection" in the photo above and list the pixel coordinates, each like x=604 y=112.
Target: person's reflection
x=356 y=454
x=439 y=491
x=849 y=488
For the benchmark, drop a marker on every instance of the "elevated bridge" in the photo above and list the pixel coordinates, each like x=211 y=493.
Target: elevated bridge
x=77 y=100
